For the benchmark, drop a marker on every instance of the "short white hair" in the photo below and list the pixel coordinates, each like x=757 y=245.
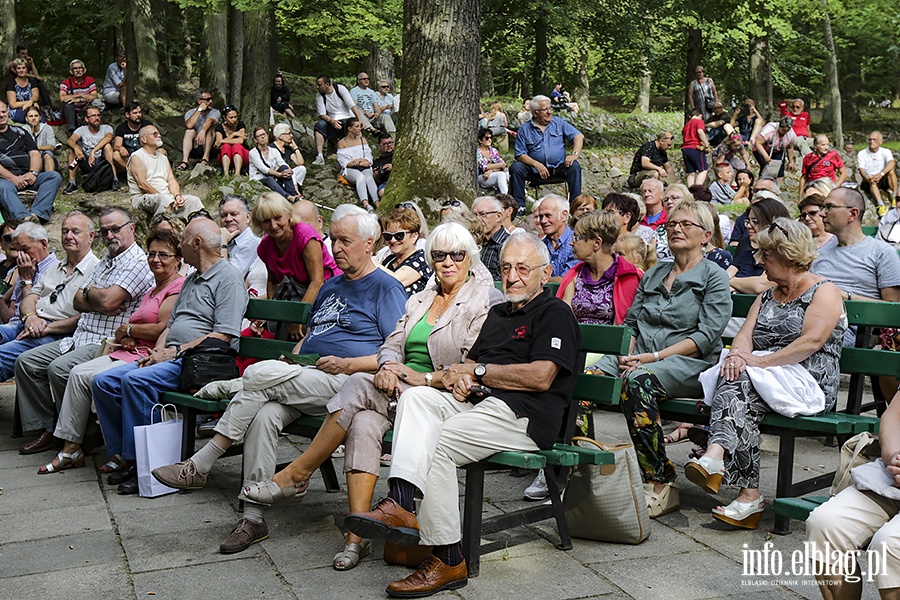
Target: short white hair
x=523 y=237
x=32 y=230
x=491 y=199
x=537 y=100
x=562 y=205
x=659 y=184
x=452 y=237
x=366 y=223
x=281 y=129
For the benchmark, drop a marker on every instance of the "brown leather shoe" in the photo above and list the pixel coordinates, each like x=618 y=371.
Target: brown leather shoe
x=42 y=443
x=432 y=577
x=387 y=520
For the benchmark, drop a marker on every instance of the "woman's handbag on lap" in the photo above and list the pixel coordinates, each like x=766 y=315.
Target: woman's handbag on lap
x=606 y=503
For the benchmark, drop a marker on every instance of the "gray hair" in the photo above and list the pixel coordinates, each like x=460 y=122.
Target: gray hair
x=78 y=213
x=491 y=199
x=32 y=230
x=450 y=237
x=523 y=237
x=561 y=203
x=775 y=187
x=229 y=197
x=790 y=239
x=115 y=209
x=659 y=184
x=366 y=223
x=281 y=129
x=537 y=100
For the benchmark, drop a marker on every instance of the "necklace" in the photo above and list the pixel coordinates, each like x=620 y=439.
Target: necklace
x=789 y=297
x=447 y=301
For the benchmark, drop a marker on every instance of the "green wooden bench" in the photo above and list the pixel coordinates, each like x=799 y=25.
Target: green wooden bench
x=870 y=230
x=797 y=508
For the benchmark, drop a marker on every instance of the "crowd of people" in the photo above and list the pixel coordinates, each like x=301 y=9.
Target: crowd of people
x=445 y=333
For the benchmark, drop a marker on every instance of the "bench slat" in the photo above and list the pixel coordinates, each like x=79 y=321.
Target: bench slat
x=278 y=310
x=797 y=508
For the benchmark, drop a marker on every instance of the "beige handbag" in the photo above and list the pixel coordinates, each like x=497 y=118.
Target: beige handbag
x=858 y=450
x=607 y=504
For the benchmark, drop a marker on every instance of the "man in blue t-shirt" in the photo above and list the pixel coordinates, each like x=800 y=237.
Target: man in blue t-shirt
x=351 y=317
x=541 y=152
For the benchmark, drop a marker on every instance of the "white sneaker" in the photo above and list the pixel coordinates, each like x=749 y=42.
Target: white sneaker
x=320 y=160
x=538 y=489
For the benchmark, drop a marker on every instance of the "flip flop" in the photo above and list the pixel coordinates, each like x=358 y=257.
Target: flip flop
x=182 y=166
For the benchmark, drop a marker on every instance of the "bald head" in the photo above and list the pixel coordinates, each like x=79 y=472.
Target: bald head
x=305 y=211
x=150 y=137
x=206 y=233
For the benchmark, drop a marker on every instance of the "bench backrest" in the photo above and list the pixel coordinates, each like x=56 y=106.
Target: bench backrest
x=284 y=311
x=602 y=339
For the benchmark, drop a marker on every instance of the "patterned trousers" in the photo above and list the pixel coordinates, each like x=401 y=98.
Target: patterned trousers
x=641 y=394
x=737 y=410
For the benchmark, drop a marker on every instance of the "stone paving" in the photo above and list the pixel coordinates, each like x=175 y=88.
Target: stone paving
x=71 y=536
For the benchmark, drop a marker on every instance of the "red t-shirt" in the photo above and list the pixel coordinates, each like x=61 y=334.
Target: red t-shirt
x=660 y=218
x=827 y=167
x=801 y=121
x=689 y=133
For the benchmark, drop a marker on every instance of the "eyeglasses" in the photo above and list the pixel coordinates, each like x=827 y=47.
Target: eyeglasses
x=486 y=213
x=162 y=255
x=831 y=207
x=544 y=110
x=261 y=134
x=387 y=236
x=449 y=203
x=873 y=139
x=105 y=231
x=199 y=213
x=579 y=238
x=6 y=238
x=773 y=226
x=384 y=87
x=439 y=256
x=521 y=268
x=796 y=106
x=684 y=225
x=808 y=214
x=56 y=292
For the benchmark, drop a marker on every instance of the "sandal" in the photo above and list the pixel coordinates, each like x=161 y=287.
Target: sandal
x=662 y=502
x=678 y=435
x=741 y=514
x=705 y=472
x=114 y=464
x=205 y=162
x=182 y=166
x=268 y=493
x=349 y=557
x=64 y=461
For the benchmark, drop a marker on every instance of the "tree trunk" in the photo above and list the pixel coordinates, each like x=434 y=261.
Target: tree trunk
x=694 y=57
x=8 y=28
x=237 y=58
x=583 y=90
x=379 y=64
x=487 y=75
x=187 y=69
x=259 y=68
x=163 y=55
x=142 y=74
x=850 y=83
x=760 y=78
x=643 y=99
x=435 y=156
x=837 y=122
x=524 y=89
x=214 y=72
x=539 y=83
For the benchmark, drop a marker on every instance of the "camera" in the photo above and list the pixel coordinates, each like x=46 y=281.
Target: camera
x=745 y=110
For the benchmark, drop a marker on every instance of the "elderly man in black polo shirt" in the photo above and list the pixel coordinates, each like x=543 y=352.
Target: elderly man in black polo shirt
x=510 y=394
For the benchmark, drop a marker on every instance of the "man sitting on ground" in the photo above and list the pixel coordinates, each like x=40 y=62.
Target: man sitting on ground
x=199 y=135
x=876 y=167
x=351 y=317
x=334 y=105
x=541 y=152
x=127 y=138
x=715 y=124
x=552 y=218
x=381 y=167
x=365 y=98
x=800 y=124
x=152 y=183
x=823 y=162
x=651 y=160
x=77 y=93
x=89 y=147
x=525 y=357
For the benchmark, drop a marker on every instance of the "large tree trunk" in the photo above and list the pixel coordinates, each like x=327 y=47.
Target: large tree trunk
x=851 y=81
x=8 y=29
x=694 y=57
x=142 y=74
x=435 y=156
x=163 y=54
x=214 y=72
x=643 y=99
x=259 y=68
x=379 y=64
x=187 y=69
x=760 y=80
x=539 y=75
x=582 y=93
x=237 y=51
x=837 y=122
x=487 y=75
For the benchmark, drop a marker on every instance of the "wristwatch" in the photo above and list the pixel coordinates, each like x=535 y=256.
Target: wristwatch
x=33 y=172
x=428 y=379
x=24 y=282
x=480 y=370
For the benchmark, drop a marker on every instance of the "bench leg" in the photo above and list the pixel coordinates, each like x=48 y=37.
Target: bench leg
x=189 y=433
x=784 y=481
x=565 y=539
x=329 y=476
x=472 y=505
x=17 y=420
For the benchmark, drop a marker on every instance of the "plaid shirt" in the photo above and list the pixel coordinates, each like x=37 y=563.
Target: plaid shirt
x=490 y=252
x=130 y=271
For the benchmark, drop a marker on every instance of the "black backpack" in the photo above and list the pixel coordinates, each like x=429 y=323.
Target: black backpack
x=98 y=179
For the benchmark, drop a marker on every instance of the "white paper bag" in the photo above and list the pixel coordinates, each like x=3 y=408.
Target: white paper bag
x=157 y=445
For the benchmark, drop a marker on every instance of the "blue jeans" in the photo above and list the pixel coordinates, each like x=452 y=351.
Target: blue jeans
x=11 y=348
x=46 y=186
x=285 y=187
x=124 y=396
x=519 y=173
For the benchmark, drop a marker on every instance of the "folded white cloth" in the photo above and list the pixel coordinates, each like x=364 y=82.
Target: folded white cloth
x=873 y=477
x=789 y=390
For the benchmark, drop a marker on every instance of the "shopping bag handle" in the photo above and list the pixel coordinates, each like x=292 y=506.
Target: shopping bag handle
x=162 y=411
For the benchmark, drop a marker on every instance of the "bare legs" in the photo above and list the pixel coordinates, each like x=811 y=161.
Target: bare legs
x=329 y=437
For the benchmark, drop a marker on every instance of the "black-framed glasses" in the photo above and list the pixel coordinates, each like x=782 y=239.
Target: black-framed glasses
x=521 y=268
x=449 y=203
x=6 y=238
x=773 y=226
x=440 y=256
x=162 y=255
x=56 y=292
x=486 y=213
x=105 y=231
x=199 y=213
x=387 y=236
x=684 y=225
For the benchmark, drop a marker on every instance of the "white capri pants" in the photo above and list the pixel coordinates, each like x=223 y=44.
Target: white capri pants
x=497 y=179
x=366 y=188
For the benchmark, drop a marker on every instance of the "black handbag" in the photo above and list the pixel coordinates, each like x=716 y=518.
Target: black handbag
x=210 y=360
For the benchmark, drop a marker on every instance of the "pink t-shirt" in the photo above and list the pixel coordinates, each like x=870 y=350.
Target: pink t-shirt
x=291 y=263
x=147 y=312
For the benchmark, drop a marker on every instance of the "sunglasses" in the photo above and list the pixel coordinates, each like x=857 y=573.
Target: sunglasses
x=199 y=213
x=387 y=236
x=407 y=205
x=104 y=231
x=56 y=292
x=773 y=226
x=808 y=215
x=440 y=256
x=6 y=238
x=383 y=87
x=449 y=203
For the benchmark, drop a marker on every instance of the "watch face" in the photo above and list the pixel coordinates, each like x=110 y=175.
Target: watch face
x=479 y=371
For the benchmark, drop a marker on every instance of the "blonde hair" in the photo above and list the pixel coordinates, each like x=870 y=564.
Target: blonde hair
x=636 y=251
x=268 y=206
x=693 y=207
x=796 y=247
x=599 y=224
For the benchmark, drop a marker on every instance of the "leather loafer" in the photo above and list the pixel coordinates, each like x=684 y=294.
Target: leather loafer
x=387 y=520
x=129 y=486
x=41 y=443
x=126 y=473
x=431 y=577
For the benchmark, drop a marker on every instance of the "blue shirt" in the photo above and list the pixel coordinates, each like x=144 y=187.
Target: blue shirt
x=548 y=147
x=352 y=318
x=563 y=258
